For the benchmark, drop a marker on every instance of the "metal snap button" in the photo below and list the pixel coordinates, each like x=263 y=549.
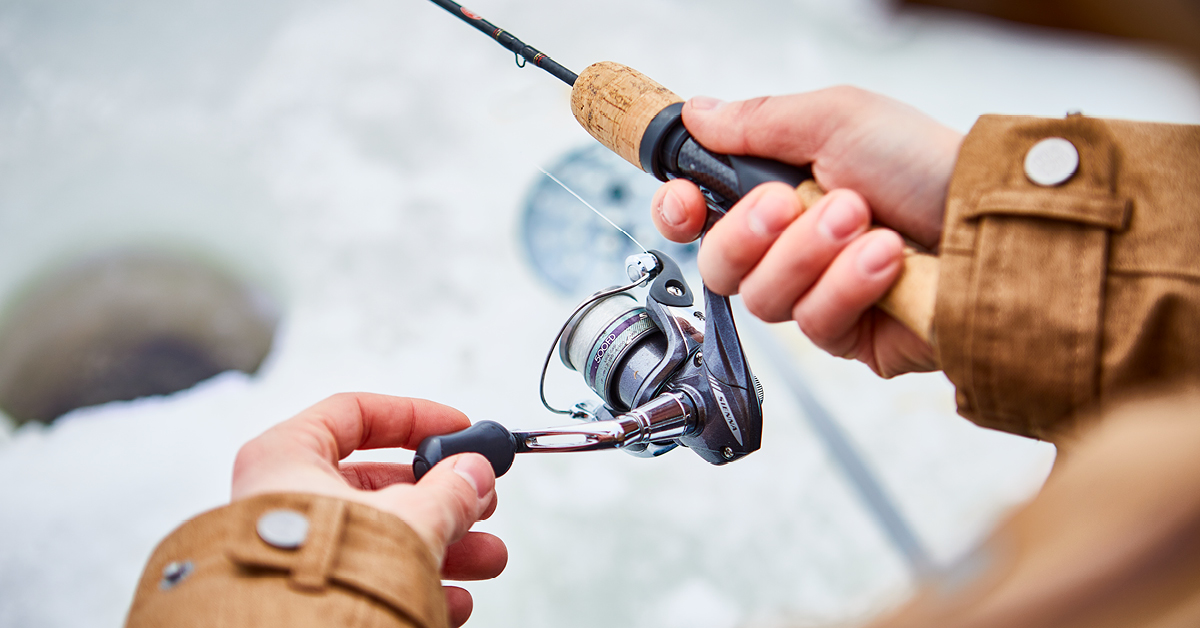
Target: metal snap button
x=1052 y=161
x=285 y=529
x=174 y=573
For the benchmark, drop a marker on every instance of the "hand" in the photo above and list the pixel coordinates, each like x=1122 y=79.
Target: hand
x=882 y=162
x=303 y=455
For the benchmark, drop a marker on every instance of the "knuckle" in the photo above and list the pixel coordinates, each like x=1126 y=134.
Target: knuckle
x=341 y=398
x=719 y=283
x=823 y=334
x=357 y=477
x=249 y=459
x=884 y=371
x=852 y=198
x=716 y=270
x=849 y=94
x=460 y=511
x=247 y=455
x=752 y=108
x=753 y=300
x=817 y=329
x=762 y=305
x=747 y=116
x=445 y=517
x=738 y=258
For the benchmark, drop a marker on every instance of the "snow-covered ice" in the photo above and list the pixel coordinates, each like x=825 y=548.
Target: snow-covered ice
x=365 y=161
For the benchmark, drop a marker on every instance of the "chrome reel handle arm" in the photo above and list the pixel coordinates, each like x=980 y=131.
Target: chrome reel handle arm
x=669 y=416
x=666 y=417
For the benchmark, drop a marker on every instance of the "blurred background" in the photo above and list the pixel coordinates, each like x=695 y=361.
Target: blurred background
x=215 y=213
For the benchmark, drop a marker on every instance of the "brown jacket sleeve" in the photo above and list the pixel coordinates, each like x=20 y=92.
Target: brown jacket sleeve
x=354 y=566
x=1110 y=542
x=1052 y=298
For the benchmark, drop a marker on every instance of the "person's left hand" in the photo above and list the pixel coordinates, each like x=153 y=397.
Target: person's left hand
x=304 y=453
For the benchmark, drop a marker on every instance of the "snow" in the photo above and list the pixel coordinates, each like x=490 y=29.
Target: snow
x=365 y=161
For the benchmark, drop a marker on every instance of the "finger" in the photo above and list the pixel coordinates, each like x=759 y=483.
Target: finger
x=447 y=501
x=789 y=128
x=372 y=476
x=679 y=210
x=894 y=349
x=460 y=605
x=491 y=507
x=802 y=253
x=478 y=556
x=734 y=245
x=857 y=278
x=343 y=423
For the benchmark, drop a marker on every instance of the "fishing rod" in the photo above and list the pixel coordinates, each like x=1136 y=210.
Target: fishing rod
x=666 y=374
x=524 y=51
x=642 y=121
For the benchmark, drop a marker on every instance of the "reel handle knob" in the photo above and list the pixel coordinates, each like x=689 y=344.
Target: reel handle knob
x=488 y=438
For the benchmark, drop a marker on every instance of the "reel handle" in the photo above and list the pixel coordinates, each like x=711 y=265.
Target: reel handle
x=488 y=438
x=640 y=120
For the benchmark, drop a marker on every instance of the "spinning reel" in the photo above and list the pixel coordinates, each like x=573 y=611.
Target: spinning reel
x=666 y=374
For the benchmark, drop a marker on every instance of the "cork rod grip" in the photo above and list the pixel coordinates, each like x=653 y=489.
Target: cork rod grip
x=616 y=104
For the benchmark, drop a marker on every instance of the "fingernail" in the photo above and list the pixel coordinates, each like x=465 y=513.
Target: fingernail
x=671 y=209
x=706 y=103
x=473 y=470
x=840 y=219
x=879 y=255
x=770 y=214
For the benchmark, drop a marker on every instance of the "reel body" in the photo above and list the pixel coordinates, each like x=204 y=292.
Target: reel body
x=630 y=354
x=666 y=374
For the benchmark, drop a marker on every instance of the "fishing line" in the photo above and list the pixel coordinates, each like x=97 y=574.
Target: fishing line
x=589 y=206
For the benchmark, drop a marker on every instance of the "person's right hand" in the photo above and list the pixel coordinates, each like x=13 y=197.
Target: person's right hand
x=882 y=162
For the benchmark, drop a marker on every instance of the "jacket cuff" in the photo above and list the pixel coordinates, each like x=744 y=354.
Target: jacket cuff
x=291 y=559
x=1020 y=305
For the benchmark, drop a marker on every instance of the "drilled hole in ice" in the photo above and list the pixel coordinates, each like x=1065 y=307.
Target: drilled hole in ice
x=124 y=325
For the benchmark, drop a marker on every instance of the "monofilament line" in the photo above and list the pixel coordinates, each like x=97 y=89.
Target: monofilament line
x=589 y=206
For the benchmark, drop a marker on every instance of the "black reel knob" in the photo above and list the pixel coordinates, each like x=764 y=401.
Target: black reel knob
x=488 y=438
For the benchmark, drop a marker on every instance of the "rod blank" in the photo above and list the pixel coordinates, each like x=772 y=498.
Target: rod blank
x=525 y=52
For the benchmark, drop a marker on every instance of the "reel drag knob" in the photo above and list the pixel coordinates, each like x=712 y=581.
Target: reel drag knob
x=488 y=438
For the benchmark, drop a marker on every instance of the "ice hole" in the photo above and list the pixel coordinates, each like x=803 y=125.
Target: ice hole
x=124 y=325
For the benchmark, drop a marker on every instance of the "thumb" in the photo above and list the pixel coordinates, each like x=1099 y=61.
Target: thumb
x=788 y=128
x=448 y=500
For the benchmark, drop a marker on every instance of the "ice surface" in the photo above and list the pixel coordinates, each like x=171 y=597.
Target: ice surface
x=365 y=161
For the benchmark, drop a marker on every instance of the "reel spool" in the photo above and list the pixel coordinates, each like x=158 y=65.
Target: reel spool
x=610 y=343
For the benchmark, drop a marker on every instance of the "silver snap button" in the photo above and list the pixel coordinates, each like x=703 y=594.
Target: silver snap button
x=1052 y=161
x=174 y=573
x=285 y=529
